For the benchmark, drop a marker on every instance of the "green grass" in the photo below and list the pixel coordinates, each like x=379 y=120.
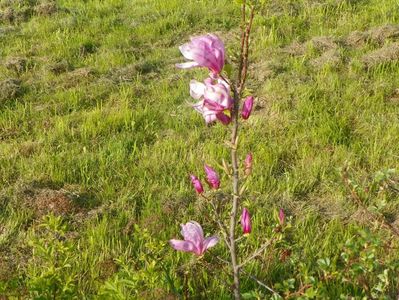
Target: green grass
x=101 y=116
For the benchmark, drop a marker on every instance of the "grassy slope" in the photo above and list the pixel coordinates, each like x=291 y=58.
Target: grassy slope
x=112 y=125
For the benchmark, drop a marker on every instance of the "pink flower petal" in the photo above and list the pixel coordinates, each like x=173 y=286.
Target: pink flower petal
x=199 y=106
x=186 y=50
x=187 y=65
x=210 y=242
x=210 y=118
x=185 y=246
x=213 y=106
x=192 y=232
x=217 y=93
x=197 y=89
x=206 y=51
x=225 y=119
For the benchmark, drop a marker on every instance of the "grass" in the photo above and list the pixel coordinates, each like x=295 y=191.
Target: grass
x=96 y=113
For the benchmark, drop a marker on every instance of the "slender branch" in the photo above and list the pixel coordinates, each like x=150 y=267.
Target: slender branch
x=233 y=216
x=243 y=33
x=222 y=227
x=225 y=79
x=251 y=277
x=244 y=69
x=237 y=90
x=240 y=238
x=299 y=292
x=260 y=282
x=244 y=4
x=256 y=253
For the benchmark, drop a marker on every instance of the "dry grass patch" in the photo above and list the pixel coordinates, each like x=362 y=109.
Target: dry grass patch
x=46 y=8
x=331 y=57
x=16 y=64
x=60 y=67
x=386 y=54
x=378 y=35
x=10 y=89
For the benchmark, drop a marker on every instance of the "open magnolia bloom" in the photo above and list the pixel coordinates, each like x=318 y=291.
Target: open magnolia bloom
x=214 y=98
x=194 y=240
x=204 y=51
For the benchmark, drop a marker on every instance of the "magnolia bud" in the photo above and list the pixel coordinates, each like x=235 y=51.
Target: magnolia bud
x=212 y=177
x=246 y=221
x=197 y=184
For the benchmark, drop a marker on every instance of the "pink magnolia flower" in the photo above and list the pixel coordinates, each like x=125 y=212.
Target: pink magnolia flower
x=281 y=216
x=248 y=164
x=247 y=107
x=246 y=221
x=204 y=51
x=214 y=99
x=193 y=239
x=212 y=177
x=197 y=184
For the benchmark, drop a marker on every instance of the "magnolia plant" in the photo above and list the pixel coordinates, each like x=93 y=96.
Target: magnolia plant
x=220 y=99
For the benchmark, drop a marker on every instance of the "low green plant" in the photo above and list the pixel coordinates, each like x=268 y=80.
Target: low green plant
x=364 y=266
x=49 y=273
x=143 y=272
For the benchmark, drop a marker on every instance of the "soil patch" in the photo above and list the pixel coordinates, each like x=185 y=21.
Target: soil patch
x=44 y=201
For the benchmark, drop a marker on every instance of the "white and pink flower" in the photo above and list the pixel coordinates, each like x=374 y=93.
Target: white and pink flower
x=214 y=97
x=194 y=240
x=204 y=51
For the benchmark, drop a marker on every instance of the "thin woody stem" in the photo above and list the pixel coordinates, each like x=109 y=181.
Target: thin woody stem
x=251 y=276
x=240 y=238
x=260 y=283
x=233 y=217
x=225 y=79
x=235 y=175
x=244 y=69
x=237 y=90
x=222 y=227
x=243 y=33
x=256 y=253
